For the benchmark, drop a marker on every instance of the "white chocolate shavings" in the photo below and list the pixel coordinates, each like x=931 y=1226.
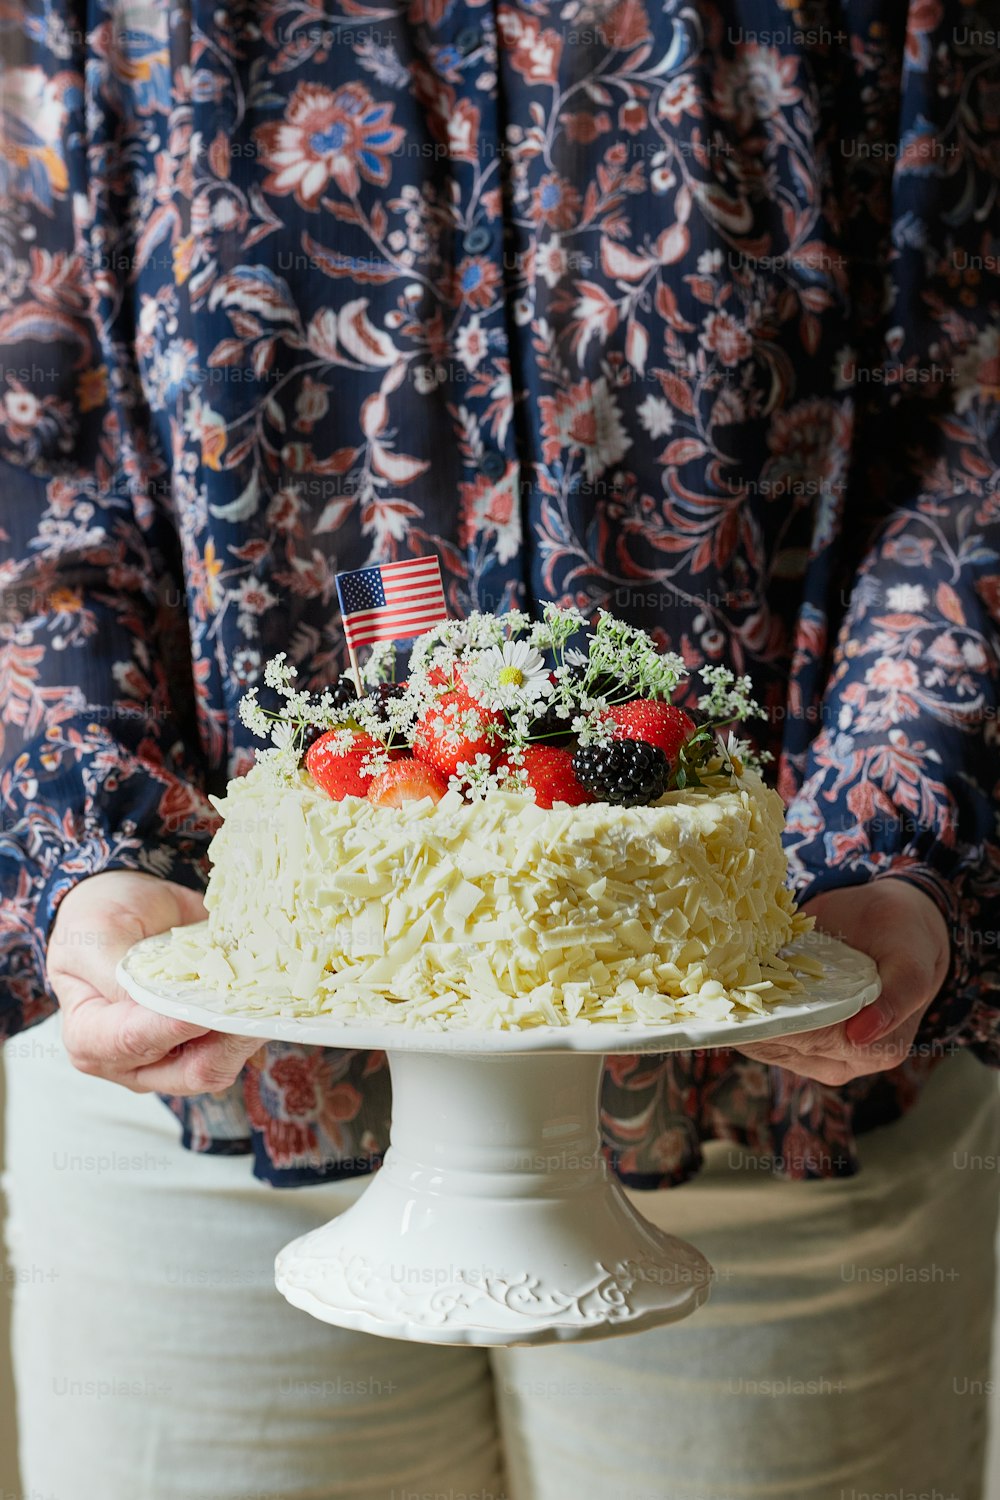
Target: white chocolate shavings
x=495 y=913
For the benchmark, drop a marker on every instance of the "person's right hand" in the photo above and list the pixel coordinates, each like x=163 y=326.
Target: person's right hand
x=105 y=1032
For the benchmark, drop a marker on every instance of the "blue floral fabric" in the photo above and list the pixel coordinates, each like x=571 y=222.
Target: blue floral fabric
x=688 y=311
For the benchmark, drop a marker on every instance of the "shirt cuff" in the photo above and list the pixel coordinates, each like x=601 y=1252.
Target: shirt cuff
x=92 y=857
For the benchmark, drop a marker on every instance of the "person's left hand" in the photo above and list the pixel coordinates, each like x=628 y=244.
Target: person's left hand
x=904 y=932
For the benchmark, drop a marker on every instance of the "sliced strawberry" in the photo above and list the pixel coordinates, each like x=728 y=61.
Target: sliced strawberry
x=454 y=732
x=406 y=780
x=341 y=775
x=660 y=724
x=549 y=771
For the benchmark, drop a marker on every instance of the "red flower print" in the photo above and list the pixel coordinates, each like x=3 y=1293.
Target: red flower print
x=535 y=53
x=463 y=131
x=893 y=674
x=295 y=1100
x=487 y=506
x=632 y=117
x=727 y=338
x=328 y=135
x=475 y=280
x=311 y=404
x=621 y=1067
x=626 y=26
x=810 y=441
x=184 y=809
x=585 y=127
x=585 y=419
x=756 y=85
x=895 y=683
x=945 y=651
x=679 y=98
x=556 y=202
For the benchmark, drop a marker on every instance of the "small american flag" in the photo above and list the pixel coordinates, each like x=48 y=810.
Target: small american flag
x=392 y=602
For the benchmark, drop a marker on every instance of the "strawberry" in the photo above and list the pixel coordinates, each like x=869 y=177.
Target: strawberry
x=454 y=732
x=549 y=771
x=341 y=775
x=406 y=780
x=660 y=724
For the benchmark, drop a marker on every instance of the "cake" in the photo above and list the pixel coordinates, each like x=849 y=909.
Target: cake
x=521 y=834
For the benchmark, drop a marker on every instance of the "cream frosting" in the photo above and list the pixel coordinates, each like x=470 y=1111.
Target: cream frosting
x=496 y=912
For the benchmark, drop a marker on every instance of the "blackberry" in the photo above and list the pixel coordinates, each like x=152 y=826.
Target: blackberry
x=379 y=696
x=629 y=773
x=343 y=691
x=551 y=727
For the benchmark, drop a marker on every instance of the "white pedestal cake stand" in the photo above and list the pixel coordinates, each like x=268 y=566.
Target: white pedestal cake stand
x=493 y=1219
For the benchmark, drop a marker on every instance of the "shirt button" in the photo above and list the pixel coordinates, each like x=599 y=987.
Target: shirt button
x=492 y=463
x=468 y=39
x=477 y=239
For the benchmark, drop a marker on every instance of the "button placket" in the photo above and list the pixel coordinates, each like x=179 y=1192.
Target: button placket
x=478 y=239
x=479 y=335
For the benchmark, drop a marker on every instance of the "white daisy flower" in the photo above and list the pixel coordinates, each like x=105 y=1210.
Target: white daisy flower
x=507 y=676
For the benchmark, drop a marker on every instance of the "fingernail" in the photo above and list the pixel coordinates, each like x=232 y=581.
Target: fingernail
x=869 y=1023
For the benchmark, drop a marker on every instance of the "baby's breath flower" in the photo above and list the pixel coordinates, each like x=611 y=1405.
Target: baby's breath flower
x=516 y=622
x=628 y=655
x=253 y=715
x=340 y=741
x=281 y=764
x=297 y=704
x=556 y=628
x=381 y=664
x=279 y=674
x=375 y=762
x=475 y=778
x=593 y=729
x=729 y=697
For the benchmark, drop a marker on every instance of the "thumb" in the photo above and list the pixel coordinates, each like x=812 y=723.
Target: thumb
x=96 y=927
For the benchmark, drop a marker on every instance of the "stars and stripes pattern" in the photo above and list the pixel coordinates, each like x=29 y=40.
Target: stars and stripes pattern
x=392 y=602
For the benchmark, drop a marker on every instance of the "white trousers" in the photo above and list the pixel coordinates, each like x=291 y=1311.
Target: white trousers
x=844 y=1353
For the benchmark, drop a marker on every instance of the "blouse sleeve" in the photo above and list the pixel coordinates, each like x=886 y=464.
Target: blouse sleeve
x=96 y=769
x=902 y=779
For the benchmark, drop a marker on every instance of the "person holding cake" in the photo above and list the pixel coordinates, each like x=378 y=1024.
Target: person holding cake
x=643 y=313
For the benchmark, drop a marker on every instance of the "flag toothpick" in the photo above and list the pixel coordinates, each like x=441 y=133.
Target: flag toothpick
x=355 y=669
x=390 y=602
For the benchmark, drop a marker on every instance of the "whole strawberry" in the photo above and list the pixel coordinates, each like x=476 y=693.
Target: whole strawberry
x=660 y=724
x=341 y=775
x=549 y=771
x=454 y=732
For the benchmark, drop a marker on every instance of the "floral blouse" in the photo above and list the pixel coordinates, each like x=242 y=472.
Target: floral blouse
x=686 y=310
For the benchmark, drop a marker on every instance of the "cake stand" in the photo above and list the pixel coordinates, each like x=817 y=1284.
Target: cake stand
x=494 y=1218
